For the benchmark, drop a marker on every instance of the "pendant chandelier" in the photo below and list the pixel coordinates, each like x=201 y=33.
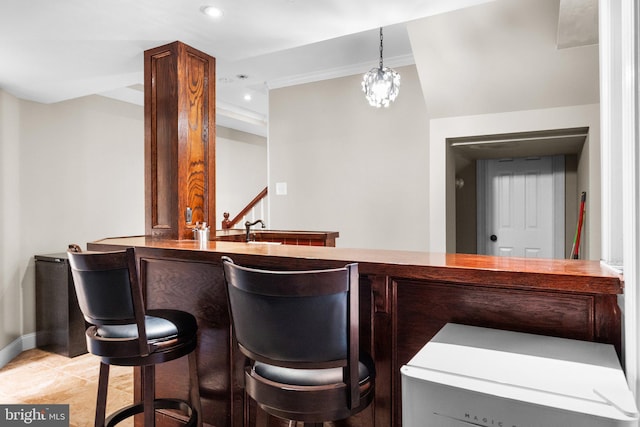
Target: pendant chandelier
x=381 y=85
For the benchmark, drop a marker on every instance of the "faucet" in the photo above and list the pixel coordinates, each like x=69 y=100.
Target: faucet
x=248 y=226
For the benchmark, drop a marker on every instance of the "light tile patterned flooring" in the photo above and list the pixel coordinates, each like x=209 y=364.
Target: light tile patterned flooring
x=39 y=377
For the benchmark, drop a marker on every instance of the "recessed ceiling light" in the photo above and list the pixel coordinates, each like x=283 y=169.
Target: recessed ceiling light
x=247 y=97
x=211 y=11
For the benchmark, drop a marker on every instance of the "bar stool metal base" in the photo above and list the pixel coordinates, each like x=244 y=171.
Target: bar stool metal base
x=138 y=408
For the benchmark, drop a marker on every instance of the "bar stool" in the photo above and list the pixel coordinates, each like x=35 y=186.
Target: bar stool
x=300 y=331
x=122 y=332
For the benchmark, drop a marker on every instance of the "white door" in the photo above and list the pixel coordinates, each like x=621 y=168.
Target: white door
x=521 y=208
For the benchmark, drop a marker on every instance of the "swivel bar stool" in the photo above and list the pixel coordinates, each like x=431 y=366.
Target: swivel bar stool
x=122 y=332
x=300 y=331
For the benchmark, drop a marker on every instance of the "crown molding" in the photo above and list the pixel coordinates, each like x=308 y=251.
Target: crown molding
x=334 y=73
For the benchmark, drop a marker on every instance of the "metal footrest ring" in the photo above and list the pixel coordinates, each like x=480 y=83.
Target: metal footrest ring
x=138 y=408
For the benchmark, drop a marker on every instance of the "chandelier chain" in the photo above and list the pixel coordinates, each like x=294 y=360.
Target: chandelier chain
x=381 y=48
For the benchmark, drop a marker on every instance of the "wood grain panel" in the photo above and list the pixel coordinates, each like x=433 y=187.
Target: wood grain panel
x=421 y=309
x=197 y=288
x=179 y=140
x=160 y=134
x=194 y=137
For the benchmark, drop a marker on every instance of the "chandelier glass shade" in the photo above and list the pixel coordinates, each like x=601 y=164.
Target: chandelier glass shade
x=381 y=85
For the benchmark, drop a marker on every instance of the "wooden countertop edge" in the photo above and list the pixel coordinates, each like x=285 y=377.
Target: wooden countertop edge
x=571 y=276
x=276 y=233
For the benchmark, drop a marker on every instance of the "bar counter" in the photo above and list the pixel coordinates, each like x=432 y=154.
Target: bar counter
x=405 y=298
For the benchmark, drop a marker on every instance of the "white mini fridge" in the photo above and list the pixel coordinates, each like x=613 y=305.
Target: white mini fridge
x=470 y=376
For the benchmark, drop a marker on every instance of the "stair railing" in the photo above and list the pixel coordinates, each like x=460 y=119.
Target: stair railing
x=227 y=223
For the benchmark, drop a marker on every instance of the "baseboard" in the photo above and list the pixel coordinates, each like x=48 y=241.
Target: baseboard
x=25 y=342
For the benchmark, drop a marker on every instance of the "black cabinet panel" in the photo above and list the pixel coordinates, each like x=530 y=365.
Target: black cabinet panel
x=59 y=323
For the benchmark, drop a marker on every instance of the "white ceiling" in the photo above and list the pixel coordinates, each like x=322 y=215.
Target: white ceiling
x=508 y=55
x=57 y=50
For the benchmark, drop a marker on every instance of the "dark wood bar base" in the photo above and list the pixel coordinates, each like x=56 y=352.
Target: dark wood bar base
x=405 y=298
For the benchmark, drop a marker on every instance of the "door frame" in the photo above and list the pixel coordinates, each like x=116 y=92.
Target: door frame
x=558 y=177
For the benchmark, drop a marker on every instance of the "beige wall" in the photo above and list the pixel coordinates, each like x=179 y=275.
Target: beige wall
x=10 y=273
x=71 y=172
x=350 y=167
x=241 y=170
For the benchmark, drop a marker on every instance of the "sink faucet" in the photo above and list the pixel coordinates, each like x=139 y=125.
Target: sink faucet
x=248 y=226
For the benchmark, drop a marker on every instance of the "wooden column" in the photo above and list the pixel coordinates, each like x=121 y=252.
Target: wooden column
x=179 y=116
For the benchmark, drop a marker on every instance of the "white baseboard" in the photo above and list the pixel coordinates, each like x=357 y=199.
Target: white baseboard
x=25 y=342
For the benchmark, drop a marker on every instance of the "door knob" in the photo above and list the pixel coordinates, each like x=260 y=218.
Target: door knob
x=493 y=237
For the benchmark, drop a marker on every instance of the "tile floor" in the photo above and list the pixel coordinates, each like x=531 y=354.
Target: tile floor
x=39 y=377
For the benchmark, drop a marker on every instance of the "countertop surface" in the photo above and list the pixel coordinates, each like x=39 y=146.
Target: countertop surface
x=570 y=275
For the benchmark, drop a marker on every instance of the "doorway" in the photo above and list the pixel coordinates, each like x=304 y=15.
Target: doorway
x=466 y=152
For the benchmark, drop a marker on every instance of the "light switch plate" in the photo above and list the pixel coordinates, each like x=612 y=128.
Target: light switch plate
x=281 y=188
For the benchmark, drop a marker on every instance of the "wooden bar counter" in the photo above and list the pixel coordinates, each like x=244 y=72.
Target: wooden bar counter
x=405 y=298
